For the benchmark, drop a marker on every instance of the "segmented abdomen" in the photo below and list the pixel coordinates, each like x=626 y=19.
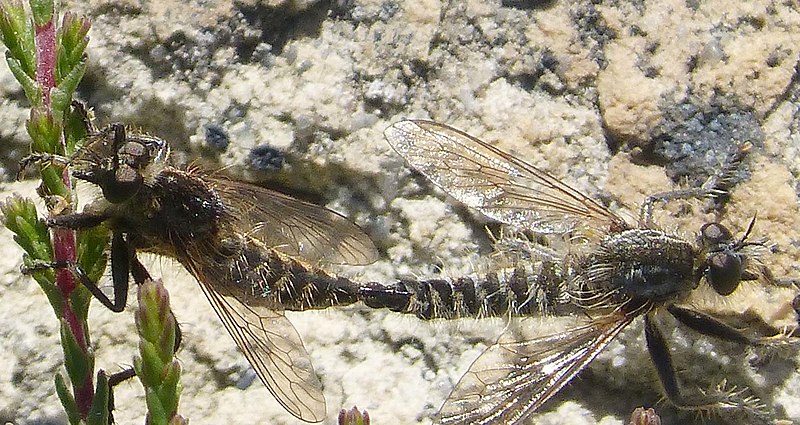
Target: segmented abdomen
x=258 y=275
x=520 y=290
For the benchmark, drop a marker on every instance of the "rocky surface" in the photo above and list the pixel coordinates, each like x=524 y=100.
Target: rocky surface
x=620 y=100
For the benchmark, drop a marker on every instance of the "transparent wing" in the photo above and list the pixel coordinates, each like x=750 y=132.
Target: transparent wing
x=494 y=182
x=274 y=349
x=510 y=380
x=295 y=227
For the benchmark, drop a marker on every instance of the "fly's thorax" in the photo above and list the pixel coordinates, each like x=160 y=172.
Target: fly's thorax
x=640 y=264
x=185 y=207
x=178 y=209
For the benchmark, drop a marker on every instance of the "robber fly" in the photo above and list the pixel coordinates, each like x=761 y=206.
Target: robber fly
x=252 y=250
x=623 y=272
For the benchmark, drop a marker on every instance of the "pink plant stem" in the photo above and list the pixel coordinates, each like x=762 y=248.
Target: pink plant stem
x=63 y=239
x=46 y=58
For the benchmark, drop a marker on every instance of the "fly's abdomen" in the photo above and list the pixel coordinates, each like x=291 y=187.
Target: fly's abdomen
x=300 y=287
x=519 y=290
x=268 y=277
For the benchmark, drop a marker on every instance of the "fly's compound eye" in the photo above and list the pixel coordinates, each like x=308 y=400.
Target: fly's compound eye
x=134 y=154
x=713 y=235
x=724 y=271
x=122 y=184
x=126 y=178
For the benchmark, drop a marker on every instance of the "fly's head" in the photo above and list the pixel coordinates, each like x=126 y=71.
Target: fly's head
x=119 y=162
x=725 y=262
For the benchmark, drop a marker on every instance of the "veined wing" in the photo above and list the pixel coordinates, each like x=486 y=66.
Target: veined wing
x=511 y=379
x=494 y=182
x=272 y=346
x=295 y=227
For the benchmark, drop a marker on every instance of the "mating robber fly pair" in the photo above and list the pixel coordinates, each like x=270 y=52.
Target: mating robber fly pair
x=254 y=252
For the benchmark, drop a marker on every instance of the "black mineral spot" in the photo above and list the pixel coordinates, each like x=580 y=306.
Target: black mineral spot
x=216 y=137
x=266 y=158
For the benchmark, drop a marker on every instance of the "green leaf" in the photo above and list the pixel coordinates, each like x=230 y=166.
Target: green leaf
x=31 y=238
x=74 y=130
x=72 y=42
x=42 y=10
x=152 y=368
x=44 y=131
x=76 y=361
x=32 y=235
x=80 y=299
x=17 y=31
x=170 y=389
x=156 y=414
x=46 y=136
x=61 y=95
x=67 y=400
x=98 y=413
x=32 y=90
x=92 y=244
x=157 y=369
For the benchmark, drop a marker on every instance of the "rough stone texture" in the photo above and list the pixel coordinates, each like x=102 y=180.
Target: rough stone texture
x=621 y=99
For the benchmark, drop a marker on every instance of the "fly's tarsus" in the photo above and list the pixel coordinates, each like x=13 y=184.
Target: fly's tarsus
x=642 y=416
x=618 y=273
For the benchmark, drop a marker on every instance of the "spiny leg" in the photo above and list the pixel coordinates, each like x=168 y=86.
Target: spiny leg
x=46 y=159
x=120 y=260
x=42 y=159
x=659 y=353
x=716 y=185
x=705 y=402
x=713 y=327
x=709 y=325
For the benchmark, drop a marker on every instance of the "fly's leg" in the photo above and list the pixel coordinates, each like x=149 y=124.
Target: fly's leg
x=796 y=307
x=140 y=275
x=713 y=327
x=77 y=221
x=43 y=159
x=120 y=266
x=120 y=261
x=114 y=380
x=85 y=115
x=659 y=353
x=47 y=159
x=716 y=400
x=709 y=325
x=715 y=187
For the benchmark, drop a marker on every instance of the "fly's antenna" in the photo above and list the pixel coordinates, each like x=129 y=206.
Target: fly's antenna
x=743 y=241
